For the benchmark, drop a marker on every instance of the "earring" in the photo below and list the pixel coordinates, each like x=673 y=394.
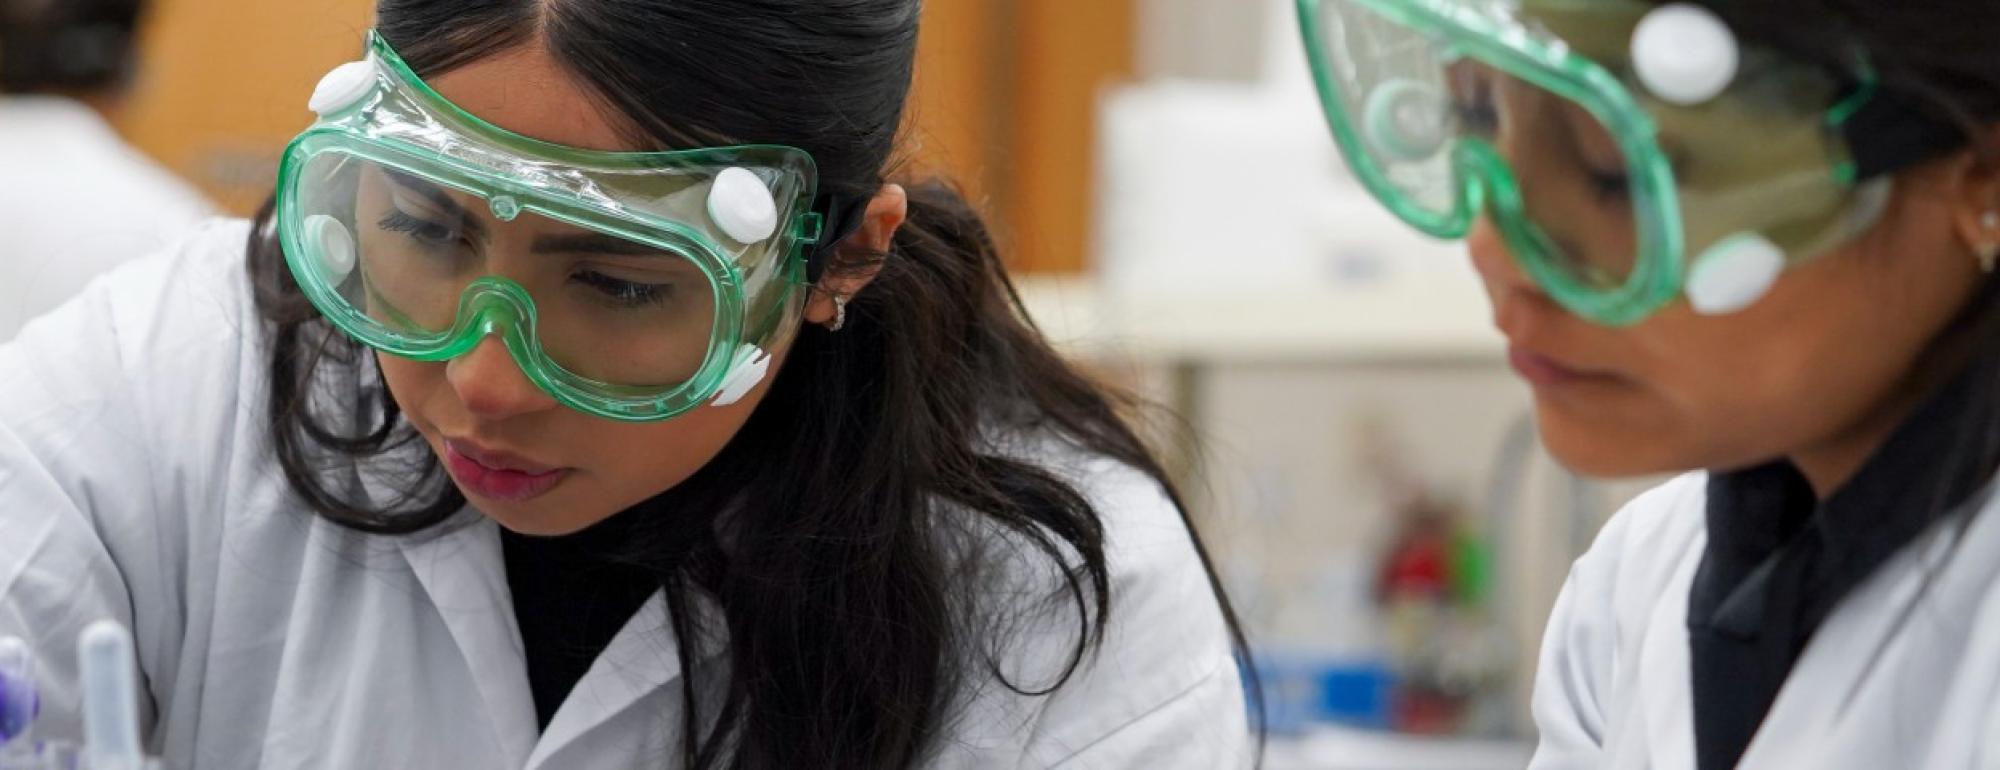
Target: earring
x=839 y=313
x=1988 y=250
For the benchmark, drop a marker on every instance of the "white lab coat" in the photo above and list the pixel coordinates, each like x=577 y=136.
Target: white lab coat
x=1905 y=673
x=75 y=201
x=136 y=483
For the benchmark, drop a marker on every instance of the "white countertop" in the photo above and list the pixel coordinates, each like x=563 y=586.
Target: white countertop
x=1334 y=748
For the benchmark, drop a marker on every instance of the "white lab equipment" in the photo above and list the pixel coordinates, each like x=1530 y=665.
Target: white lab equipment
x=1229 y=189
x=110 y=698
x=110 y=702
x=1902 y=674
x=138 y=484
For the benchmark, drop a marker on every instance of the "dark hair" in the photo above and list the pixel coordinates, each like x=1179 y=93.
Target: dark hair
x=1936 y=51
x=66 y=45
x=845 y=584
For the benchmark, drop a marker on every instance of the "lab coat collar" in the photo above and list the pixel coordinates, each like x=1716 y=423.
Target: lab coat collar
x=642 y=658
x=1867 y=634
x=1666 y=701
x=460 y=567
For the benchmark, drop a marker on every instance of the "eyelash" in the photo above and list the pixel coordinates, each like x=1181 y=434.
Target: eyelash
x=1480 y=118
x=622 y=293
x=1609 y=186
x=416 y=227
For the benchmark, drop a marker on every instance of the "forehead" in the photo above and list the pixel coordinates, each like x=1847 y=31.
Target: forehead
x=525 y=91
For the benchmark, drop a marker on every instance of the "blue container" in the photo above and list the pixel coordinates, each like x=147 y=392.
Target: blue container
x=1361 y=695
x=1301 y=690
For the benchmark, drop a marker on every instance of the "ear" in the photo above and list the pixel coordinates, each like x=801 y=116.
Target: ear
x=885 y=215
x=1976 y=204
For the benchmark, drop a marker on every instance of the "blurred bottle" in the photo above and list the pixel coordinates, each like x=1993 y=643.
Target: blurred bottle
x=1432 y=588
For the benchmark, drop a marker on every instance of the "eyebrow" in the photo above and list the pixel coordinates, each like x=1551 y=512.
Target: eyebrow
x=569 y=243
x=438 y=197
x=593 y=243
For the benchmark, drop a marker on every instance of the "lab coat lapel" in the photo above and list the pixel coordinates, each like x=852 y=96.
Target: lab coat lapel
x=642 y=658
x=1842 y=683
x=1666 y=682
x=465 y=576
x=1827 y=677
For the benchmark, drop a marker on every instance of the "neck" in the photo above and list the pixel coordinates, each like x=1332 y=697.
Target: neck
x=1828 y=465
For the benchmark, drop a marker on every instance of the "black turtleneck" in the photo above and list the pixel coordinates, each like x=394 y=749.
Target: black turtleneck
x=570 y=599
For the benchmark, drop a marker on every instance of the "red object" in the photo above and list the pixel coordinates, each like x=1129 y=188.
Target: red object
x=1420 y=565
x=1426 y=713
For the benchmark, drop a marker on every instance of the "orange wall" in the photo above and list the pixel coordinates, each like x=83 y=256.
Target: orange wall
x=1004 y=101
x=225 y=84
x=1067 y=52
x=952 y=128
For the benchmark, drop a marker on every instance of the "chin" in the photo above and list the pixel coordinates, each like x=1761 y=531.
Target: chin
x=535 y=518
x=1607 y=452
x=534 y=527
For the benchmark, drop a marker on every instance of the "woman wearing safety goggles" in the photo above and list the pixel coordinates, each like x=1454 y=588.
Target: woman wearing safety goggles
x=586 y=398
x=1755 y=240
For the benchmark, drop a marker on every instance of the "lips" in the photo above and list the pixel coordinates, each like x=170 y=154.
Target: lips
x=1547 y=372
x=498 y=475
x=496 y=460
x=1545 y=344
x=1538 y=369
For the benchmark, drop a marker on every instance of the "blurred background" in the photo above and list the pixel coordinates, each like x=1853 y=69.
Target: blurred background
x=1361 y=459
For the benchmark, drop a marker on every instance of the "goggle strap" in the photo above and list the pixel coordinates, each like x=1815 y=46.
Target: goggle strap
x=843 y=216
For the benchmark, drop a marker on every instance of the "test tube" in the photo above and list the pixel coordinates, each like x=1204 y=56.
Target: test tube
x=110 y=698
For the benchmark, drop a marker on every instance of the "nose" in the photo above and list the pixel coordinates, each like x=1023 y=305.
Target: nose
x=1514 y=295
x=492 y=386
x=1491 y=258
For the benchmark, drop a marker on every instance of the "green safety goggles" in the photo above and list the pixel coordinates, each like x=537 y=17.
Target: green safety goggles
x=1628 y=153
x=630 y=286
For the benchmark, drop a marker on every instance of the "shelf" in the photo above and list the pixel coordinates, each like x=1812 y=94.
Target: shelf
x=1422 y=316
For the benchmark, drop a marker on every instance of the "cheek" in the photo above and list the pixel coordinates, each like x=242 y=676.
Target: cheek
x=640 y=461
x=1697 y=393
x=627 y=463
x=1829 y=347
x=411 y=383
